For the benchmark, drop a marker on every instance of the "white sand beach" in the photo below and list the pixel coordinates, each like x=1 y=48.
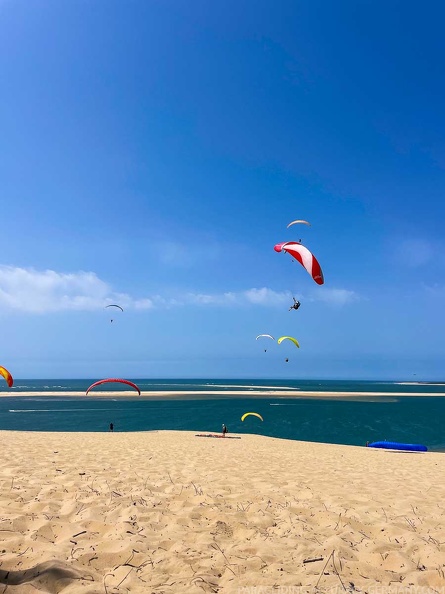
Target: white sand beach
x=169 y=512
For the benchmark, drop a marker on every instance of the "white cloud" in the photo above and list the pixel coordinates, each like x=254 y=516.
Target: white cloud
x=266 y=296
x=29 y=290
x=143 y=304
x=336 y=296
x=215 y=299
x=263 y=297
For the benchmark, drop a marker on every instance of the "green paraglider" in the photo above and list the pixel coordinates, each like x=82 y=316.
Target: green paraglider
x=294 y=340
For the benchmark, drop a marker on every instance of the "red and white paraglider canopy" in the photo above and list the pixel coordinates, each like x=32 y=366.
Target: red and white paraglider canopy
x=304 y=256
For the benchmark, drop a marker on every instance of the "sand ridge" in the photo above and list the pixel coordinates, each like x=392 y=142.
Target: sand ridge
x=167 y=512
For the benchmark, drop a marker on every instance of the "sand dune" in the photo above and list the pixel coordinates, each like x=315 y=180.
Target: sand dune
x=169 y=512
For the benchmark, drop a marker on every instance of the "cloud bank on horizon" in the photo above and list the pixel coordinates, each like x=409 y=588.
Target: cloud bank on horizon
x=42 y=291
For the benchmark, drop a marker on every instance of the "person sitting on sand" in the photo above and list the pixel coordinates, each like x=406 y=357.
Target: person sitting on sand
x=224 y=430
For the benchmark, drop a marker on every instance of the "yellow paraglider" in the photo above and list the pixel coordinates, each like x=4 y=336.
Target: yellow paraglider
x=294 y=340
x=8 y=377
x=251 y=413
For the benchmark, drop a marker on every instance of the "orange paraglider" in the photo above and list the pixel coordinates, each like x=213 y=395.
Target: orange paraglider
x=8 y=377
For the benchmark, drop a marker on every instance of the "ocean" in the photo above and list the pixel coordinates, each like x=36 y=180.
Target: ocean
x=409 y=419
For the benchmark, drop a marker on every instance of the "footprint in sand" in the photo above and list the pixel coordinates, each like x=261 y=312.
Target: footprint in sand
x=223 y=528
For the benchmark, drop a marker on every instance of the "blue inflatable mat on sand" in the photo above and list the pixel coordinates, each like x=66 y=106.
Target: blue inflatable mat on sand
x=394 y=445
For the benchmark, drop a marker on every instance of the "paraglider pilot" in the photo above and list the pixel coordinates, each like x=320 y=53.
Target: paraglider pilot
x=295 y=305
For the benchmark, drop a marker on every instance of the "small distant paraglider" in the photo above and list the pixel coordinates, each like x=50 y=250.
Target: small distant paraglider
x=292 y=339
x=8 y=377
x=265 y=336
x=253 y=414
x=114 y=305
x=298 y=221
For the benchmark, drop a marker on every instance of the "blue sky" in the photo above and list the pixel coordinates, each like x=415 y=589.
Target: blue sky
x=153 y=153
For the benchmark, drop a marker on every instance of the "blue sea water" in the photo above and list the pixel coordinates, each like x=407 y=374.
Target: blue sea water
x=409 y=419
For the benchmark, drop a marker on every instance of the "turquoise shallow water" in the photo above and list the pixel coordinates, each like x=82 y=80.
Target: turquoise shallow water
x=412 y=419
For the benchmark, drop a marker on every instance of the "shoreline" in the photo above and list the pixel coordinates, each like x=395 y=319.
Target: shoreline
x=252 y=393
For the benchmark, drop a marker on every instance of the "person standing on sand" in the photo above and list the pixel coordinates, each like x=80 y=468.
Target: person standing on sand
x=224 y=430
x=111 y=427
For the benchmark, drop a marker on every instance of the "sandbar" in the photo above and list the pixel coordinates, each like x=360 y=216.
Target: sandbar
x=192 y=394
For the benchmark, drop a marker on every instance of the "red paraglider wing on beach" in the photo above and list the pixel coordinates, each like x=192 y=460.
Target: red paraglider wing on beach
x=304 y=256
x=116 y=380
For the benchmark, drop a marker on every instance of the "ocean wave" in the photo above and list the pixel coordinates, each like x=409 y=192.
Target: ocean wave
x=419 y=384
